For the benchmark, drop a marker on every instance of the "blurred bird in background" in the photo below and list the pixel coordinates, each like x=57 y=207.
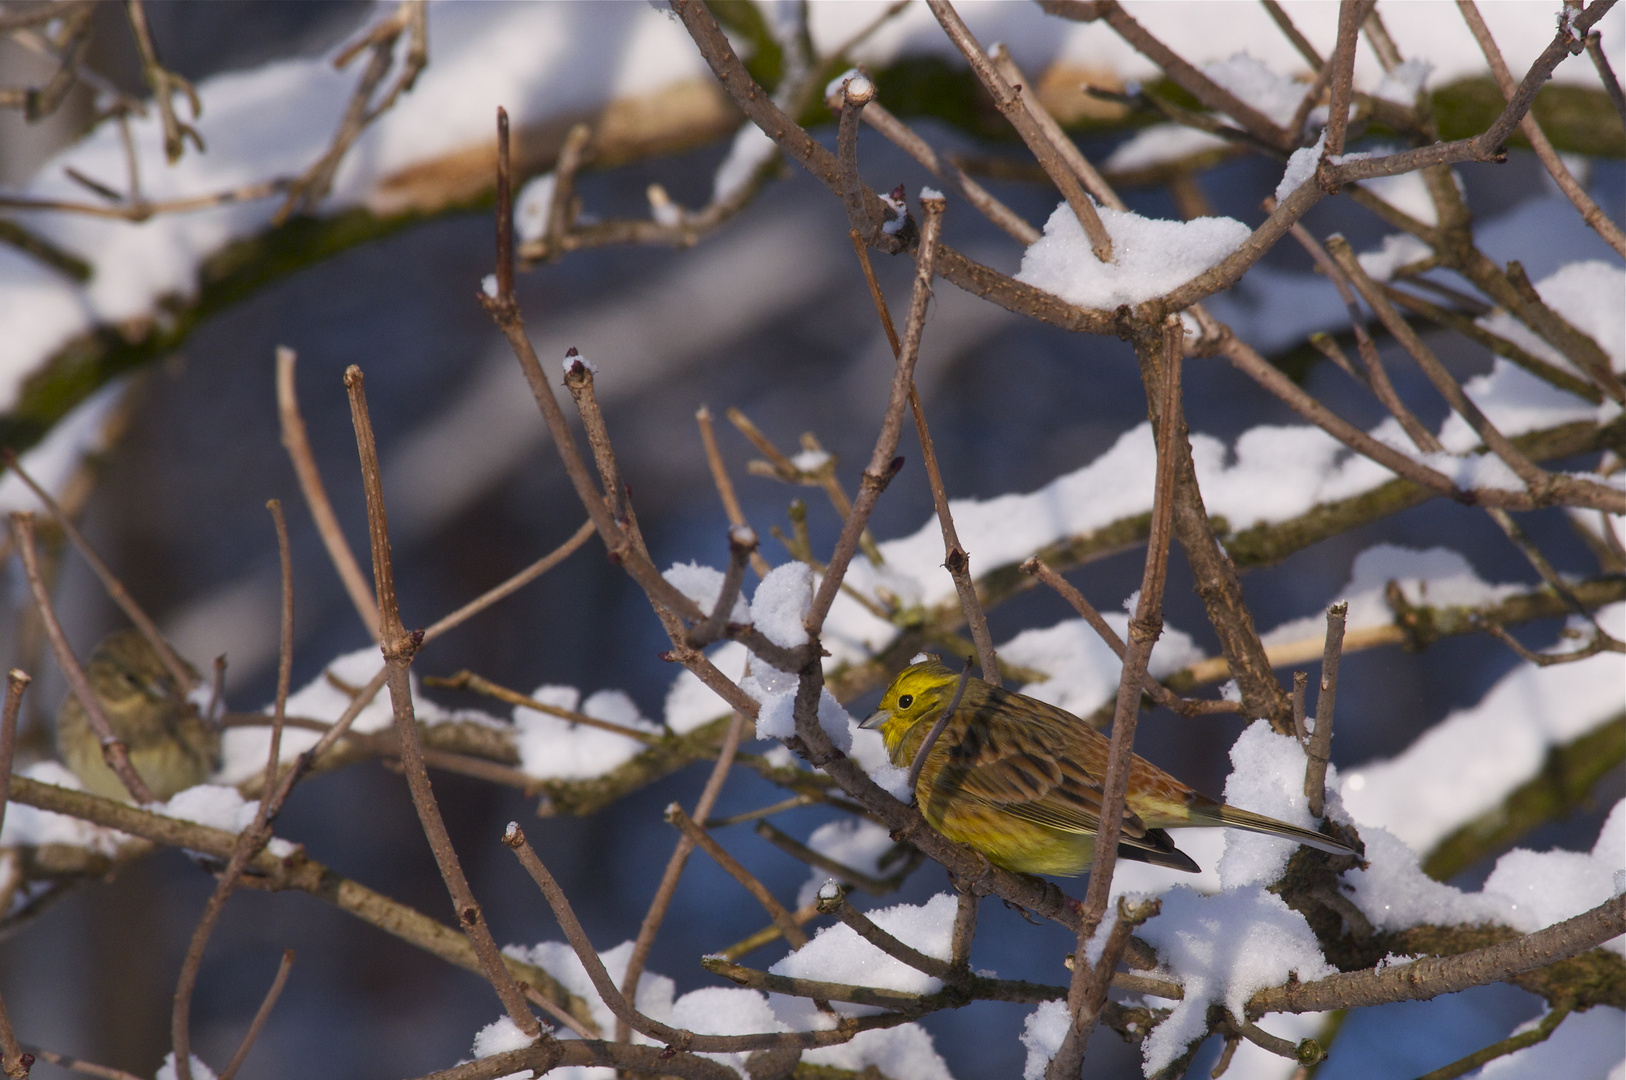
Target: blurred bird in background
x=171 y=746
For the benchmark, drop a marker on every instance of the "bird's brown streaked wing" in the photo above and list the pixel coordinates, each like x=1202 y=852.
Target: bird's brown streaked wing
x=1017 y=763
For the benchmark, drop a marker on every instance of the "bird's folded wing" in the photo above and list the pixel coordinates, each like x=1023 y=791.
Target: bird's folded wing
x=1004 y=764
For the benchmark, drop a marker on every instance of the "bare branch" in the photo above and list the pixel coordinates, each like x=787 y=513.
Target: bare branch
x=951 y=174
x=297 y=443
x=17 y=681
x=1291 y=32
x=1319 y=751
x=398 y=648
x=776 y=911
x=165 y=84
x=178 y=669
x=662 y=900
x=114 y=752
x=1432 y=976
x=260 y=1016
x=1513 y=1043
x=1594 y=49
x=883 y=466
x=725 y=486
x=1087 y=989
x=1590 y=211
x=1179 y=71
x=1351 y=13
x=1065 y=147
x=1011 y=104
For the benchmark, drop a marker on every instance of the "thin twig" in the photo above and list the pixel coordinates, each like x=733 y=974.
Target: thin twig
x=955 y=558
x=1513 y=1043
x=1319 y=752
x=165 y=84
x=1590 y=211
x=260 y=1016
x=17 y=681
x=511 y=585
x=725 y=486
x=1069 y=151
x=398 y=648
x=1535 y=478
x=142 y=211
x=1011 y=104
x=562 y=206
x=883 y=466
x=768 y=934
x=662 y=900
x=1291 y=32
x=1087 y=988
x=918 y=762
x=835 y=903
x=317 y=180
x=1159 y=693
x=302 y=874
x=1301 y=680
x=178 y=669
x=114 y=752
x=1350 y=15
x=942 y=167
x=476 y=684
x=1376 y=378
x=285 y=654
x=252 y=839
x=618 y=1003
x=776 y=911
x=855 y=94
x=1180 y=72
x=1594 y=49
x=14 y=1062
x=875 y=886
x=80 y=1065
x=297 y=443
x=619 y=544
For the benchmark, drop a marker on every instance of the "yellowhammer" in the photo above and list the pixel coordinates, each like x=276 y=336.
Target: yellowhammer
x=171 y=746
x=1020 y=780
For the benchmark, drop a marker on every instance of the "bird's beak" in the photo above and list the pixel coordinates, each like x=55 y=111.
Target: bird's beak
x=876 y=719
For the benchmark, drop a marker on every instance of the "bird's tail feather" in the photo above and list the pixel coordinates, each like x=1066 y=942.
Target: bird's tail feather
x=1232 y=817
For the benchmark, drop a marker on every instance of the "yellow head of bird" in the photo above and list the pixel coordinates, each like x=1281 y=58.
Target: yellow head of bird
x=919 y=692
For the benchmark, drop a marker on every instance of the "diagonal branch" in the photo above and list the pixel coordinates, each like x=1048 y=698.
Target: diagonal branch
x=114 y=751
x=398 y=648
x=1011 y=102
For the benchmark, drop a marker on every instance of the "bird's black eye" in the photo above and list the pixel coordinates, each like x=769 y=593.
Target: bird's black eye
x=906 y=700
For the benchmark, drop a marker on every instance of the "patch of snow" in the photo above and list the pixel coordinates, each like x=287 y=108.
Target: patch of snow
x=1151 y=256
